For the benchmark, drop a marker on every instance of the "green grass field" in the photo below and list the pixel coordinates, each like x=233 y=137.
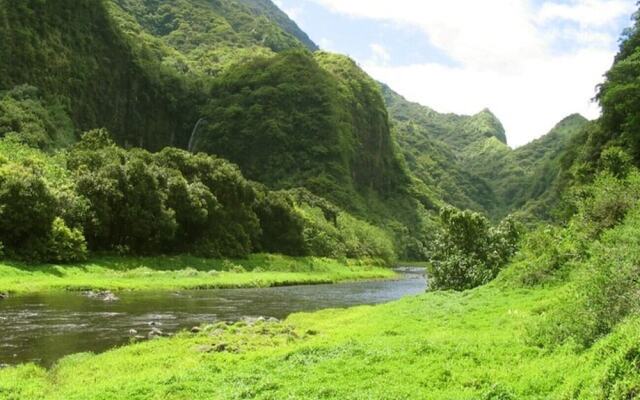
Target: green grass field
x=170 y=273
x=470 y=345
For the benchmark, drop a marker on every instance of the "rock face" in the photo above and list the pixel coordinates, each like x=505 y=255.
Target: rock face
x=103 y=295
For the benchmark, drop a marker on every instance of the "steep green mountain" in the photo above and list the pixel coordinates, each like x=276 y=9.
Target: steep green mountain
x=467 y=159
x=234 y=78
x=207 y=37
x=419 y=132
x=135 y=67
x=272 y=12
x=74 y=54
x=542 y=159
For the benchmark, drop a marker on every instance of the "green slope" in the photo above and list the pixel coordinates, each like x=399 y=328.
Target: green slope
x=233 y=78
x=467 y=159
x=74 y=54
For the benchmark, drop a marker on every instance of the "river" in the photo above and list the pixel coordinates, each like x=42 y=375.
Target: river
x=42 y=328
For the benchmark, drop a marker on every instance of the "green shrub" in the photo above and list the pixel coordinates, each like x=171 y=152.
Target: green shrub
x=33 y=121
x=282 y=227
x=606 y=292
x=469 y=252
x=545 y=256
x=604 y=203
x=322 y=237
x=616 y=161
x=65 y=244
x=27 y=208
x=363 y=240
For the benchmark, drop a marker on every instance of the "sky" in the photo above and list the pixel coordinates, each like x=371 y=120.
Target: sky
x=531 y=62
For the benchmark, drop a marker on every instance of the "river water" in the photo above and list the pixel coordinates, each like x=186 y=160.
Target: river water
x=43 y=328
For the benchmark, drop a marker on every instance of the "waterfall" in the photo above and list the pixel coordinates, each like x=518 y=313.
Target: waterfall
x=193 y=134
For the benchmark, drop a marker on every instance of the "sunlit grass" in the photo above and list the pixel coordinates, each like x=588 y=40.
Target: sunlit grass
x=435 y=346
x=167 y=273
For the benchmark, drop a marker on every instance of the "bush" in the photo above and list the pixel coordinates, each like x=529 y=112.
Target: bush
x=606 y=292
x=544 y=257
x=469 y=252
x=65 y=244
x=604 y=203
x=27 y=208
x=321 y=236
x=362 y=240
x=282 y=227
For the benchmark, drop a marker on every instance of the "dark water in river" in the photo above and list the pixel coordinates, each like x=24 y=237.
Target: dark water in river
x=43 y=328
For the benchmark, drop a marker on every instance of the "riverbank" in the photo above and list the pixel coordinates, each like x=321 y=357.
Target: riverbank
x=183 y=272
x=434 y=346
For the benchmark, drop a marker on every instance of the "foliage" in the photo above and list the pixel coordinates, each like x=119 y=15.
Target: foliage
x=25 y=114
x=84 y=67
x=465 y=161
x=282 y=225
x=137 y=202
x=545 y=257
x=27 y=208
x=209 y=37
x=469 y=252
x=605 y=232
x=65 y=244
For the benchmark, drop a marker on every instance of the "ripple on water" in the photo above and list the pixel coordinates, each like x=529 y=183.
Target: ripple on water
x=70 y=323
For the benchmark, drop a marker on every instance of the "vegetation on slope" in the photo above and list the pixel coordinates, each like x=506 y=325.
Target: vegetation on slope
x=74 y=54
x=467 y=161
x=182 y=73
x=99 y=196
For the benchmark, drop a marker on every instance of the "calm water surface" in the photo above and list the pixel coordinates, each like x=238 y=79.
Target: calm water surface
x=43 y=328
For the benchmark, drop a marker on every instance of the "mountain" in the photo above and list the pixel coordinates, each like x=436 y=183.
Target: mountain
x=273 y=13
x=233 y=78
x=468 y=161
x=238 y=79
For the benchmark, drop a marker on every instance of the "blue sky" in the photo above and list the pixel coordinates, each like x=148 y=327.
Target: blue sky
x=532 y=62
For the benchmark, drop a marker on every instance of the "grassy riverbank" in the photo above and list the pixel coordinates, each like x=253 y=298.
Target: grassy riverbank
x=435 y=346
x=171 y=273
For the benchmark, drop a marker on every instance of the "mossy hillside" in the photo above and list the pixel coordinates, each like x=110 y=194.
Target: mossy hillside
x=468 y=162
x=77 y=57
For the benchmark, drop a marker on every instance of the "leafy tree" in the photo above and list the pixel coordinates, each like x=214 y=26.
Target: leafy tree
x=282 y=226
x=65 y=244
x=27 y=207
x=469 y=252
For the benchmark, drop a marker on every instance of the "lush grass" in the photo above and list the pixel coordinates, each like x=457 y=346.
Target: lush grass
x=167 y=273
x=435 y=346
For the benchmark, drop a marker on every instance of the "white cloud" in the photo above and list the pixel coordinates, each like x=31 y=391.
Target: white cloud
x=509 y=55
x=293 y=12
x=326 y=44
x=380 y=54
x=586 y=12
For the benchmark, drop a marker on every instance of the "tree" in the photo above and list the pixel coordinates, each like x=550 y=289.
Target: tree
x=469 y=252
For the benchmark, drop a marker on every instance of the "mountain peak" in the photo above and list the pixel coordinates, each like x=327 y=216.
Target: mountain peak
x=486 y=123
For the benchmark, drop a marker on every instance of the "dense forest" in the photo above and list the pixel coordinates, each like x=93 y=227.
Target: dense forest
x=218 y=130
